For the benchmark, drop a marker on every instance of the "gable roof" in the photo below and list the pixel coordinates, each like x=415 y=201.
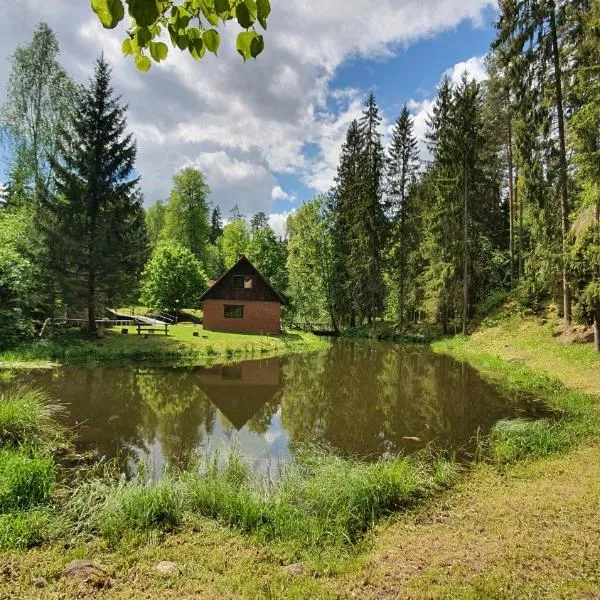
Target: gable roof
x=242 y=260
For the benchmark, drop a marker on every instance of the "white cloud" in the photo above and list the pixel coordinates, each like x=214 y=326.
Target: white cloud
x=474 y=67
x=277 y=193
x=244 y=123
x=278 y=220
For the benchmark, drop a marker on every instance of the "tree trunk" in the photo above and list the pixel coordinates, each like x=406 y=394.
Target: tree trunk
x=519 y=205
x=511 y=200
x=465 y=254
x=91 y=300
x=597 y=302
x=562 y=179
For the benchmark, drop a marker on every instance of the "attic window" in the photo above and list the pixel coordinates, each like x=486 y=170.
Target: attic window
x=242 y=282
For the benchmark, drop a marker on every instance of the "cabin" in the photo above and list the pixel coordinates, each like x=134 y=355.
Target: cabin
x=242 y=301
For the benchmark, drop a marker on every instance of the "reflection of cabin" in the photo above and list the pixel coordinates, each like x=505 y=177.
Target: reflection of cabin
x=240 y=391
x=243 y=301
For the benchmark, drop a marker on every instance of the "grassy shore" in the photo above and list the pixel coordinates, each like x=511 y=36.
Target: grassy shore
x=521 y=523
x=179 y=345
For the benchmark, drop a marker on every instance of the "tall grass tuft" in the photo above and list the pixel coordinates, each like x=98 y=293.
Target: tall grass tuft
x=28 y=417
x=513 y=439
x=23 y=529
x=141 y=507
x=26 y=479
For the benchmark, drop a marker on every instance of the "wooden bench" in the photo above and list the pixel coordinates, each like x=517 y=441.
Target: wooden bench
x=152 y=329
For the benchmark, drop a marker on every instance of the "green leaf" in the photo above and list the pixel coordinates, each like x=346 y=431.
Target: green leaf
x=263 y=11
x=257 y=45
x=143 y=63
x=222 y=7
x=126 y=47
x=208 y=12
x=251 y=6
x=243 y=16
x=143 y=36
x=110 y=12
x=212 y=39
x=158 y=51
x=193 y=33
x=145 y=12
x=242 y=43
x=197 y=48
x=182 y=41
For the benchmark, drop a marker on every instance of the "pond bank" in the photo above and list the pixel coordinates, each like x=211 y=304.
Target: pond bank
x=180 y=346
x=509 y=528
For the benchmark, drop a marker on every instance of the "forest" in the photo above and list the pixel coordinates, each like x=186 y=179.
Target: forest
x=501 y=198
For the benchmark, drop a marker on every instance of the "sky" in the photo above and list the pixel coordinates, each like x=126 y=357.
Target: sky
x=267 y=133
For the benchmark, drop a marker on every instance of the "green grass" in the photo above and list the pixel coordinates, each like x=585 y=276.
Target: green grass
x=180 y=345
x=321 y=500
x=26 y=479
x=27 y=528
x=28 y=417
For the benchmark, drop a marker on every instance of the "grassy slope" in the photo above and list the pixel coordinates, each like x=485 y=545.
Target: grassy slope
x=525 y=530
x=179 y=344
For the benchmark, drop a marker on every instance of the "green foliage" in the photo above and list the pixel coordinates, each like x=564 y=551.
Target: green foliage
x=155 y=222
x=309 y=262
x=236 y=239
x=268 y=255
x=186 y=220
x=189 y=23
x=172 y=274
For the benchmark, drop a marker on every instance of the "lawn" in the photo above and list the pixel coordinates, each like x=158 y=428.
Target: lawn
x=179 y=345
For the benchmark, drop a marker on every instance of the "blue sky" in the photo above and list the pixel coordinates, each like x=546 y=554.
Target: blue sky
x=267 y=134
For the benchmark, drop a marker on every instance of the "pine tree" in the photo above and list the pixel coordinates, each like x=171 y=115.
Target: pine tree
x=259 y=221
x=369 y=228
x=402 y=165
x=342 y=200
x=95 y=223
x=216 y=225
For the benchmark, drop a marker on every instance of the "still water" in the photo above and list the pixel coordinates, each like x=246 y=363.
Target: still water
x=363 y=399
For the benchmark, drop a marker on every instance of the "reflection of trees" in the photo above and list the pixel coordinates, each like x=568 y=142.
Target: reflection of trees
x=367 y=398
x=103 y=407
x=177 y=410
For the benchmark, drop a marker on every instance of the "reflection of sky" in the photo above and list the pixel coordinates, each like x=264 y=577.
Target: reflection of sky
x=264 y=453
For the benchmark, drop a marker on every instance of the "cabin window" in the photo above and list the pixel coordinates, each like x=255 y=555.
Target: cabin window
x=242 y=282
x=233 y=311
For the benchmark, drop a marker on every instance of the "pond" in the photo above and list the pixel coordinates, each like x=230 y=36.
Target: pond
x=364 y=399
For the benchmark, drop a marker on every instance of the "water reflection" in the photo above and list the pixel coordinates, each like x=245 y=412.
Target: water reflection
x=364 y=399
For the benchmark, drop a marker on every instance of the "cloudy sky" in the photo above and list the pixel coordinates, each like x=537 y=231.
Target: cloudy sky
x=267 y=134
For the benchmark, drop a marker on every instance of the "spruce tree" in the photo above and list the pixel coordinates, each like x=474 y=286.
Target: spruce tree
x=402 y=165
x=342 y=201
x=370 y=225
x=95 y=222
x=216 y=225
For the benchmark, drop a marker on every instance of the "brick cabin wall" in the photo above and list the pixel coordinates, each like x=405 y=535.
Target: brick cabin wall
x=259 y=317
